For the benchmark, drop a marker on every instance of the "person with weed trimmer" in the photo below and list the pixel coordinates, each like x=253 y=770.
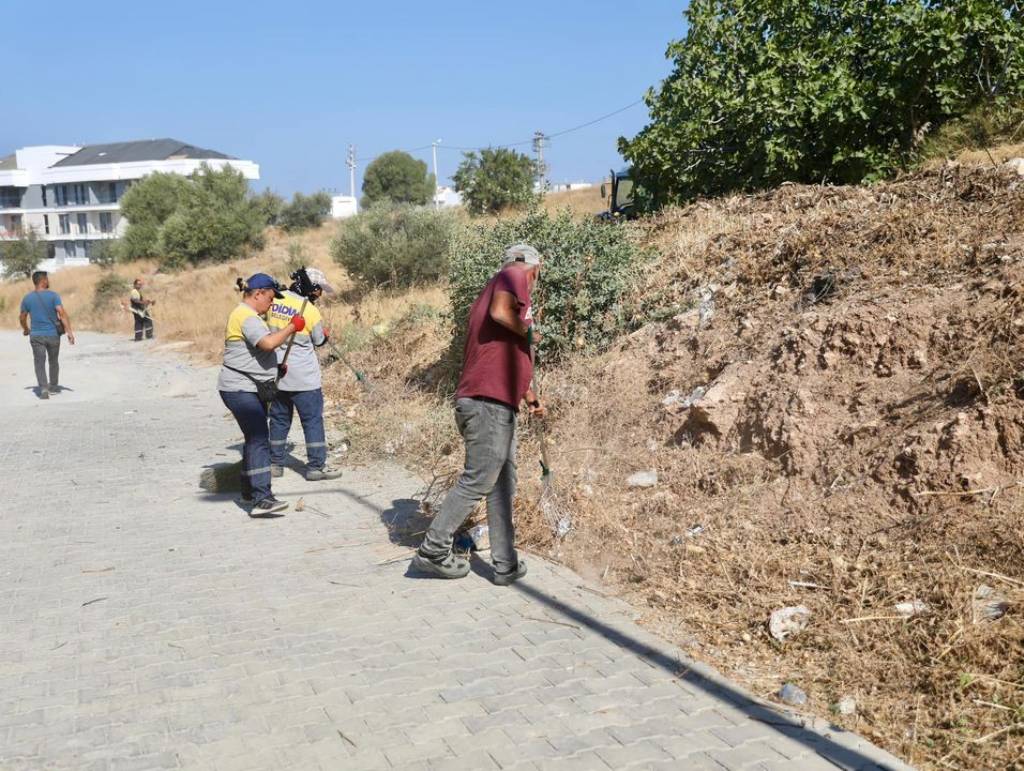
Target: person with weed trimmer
x=299 y=385
x=497 y=371
x=248 y=384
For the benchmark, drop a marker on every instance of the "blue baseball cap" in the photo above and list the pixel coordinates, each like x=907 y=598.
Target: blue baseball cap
x=263 y=281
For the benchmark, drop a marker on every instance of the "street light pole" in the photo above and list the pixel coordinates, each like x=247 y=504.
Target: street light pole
x=437 y=179
x=351 y=163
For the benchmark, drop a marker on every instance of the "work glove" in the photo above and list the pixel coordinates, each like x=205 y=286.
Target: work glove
x=299 y=323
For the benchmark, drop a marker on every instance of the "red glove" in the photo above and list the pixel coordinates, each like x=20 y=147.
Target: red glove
x=298 y=322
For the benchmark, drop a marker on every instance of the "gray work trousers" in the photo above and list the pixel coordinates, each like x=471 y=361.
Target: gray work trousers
x=489 y=432
x=46 y=347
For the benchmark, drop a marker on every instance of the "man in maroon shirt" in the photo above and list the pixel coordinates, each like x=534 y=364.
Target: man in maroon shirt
x=496 y=373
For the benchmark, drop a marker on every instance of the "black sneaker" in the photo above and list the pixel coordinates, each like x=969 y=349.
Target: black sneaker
x=448 y=566
x=267 y=506
x=504 y=579
x=54 y=390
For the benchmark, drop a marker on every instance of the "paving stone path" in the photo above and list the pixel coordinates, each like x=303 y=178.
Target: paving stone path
x=147 y=624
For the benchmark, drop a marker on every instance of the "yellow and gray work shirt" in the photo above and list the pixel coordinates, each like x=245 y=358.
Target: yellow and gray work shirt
x=244 y=330
x=138 y=304
x=303 y=366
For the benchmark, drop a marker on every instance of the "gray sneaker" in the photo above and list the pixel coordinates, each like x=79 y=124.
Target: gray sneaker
x=267 y=506
x=44 y=393
x=449 y=566
x=504 y=579
x=276 y=470
x=319 y=474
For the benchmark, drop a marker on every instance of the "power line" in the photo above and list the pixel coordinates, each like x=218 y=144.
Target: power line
x=595 y=120
x=531 y=141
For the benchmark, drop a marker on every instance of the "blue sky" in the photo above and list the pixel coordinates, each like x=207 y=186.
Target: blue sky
x=290 y=85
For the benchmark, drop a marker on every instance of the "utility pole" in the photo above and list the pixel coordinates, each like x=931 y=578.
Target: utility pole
x=437 y=179
x=540 y=140
x=351 y=163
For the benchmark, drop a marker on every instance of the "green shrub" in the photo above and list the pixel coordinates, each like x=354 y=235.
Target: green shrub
x=106 y=252
x=110 y=287
x=394 y=246
x=588 y=268
x=305 y=211
x=21 y=257
x=269 y=204
x=495 y=179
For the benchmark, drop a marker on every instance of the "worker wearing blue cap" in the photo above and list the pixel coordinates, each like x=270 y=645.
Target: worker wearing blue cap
x=246 y=378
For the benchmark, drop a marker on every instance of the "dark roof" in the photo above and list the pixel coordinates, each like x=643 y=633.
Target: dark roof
x=143 y=150
x=8 y=162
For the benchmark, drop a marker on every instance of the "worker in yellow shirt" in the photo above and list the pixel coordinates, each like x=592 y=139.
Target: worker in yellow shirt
x=299 y=389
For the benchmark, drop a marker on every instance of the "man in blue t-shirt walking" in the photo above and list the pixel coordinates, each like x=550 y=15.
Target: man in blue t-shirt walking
x=49 y=322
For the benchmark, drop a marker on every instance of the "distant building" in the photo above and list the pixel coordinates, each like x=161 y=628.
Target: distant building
x=343 y=206
x=446 y=198
x=70 y=195
x=564 y=187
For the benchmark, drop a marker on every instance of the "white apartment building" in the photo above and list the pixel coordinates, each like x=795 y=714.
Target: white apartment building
x=70 y=195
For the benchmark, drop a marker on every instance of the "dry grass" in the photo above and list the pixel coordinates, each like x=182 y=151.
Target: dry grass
x=873 y=337
x=583 y=203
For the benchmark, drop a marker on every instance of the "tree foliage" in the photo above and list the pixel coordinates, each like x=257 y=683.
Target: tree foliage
x=495 y=179
x=399 y=178
x=305 y=211
x=147 y=205
x=765 y=91
x=270 y=205
x=587 y=270
x=21 y=257
x=206 y=217
x=392 y=245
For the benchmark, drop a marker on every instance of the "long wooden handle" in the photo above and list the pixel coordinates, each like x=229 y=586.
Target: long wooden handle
x=291 y=340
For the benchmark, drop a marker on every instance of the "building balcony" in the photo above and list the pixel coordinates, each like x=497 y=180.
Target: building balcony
x=15 y=235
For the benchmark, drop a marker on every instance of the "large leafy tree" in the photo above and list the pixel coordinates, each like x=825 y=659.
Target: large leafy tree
x=765 y=91
x=208 y=216
x=399 y=178
x=494 y=179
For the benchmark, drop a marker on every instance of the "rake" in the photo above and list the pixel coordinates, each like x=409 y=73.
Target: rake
x=552 y=503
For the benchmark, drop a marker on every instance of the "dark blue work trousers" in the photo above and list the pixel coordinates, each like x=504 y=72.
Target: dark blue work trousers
x=251 y=414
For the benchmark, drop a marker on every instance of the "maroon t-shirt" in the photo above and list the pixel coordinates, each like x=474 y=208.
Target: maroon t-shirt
x=496 y=363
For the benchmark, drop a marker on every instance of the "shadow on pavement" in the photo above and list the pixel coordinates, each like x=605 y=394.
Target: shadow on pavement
x=405 y=522
x=838 y=754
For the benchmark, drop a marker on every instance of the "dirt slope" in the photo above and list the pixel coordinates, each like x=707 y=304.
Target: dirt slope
x=834 y=407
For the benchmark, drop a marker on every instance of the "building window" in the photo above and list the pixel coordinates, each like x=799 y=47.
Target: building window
x=64 y=223
x=61 y=193
x=111 y=192
x=46 y=224
x=10 y=198
x=106 y=222
x=81 y=195
x=44 y=195
x=70 y=250
x=83 y=222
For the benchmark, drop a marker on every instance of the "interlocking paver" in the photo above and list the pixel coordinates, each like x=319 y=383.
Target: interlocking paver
x=145 y=623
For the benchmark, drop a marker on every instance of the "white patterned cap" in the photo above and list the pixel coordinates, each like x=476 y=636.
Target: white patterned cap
x=522 y=253
x=317 y=277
